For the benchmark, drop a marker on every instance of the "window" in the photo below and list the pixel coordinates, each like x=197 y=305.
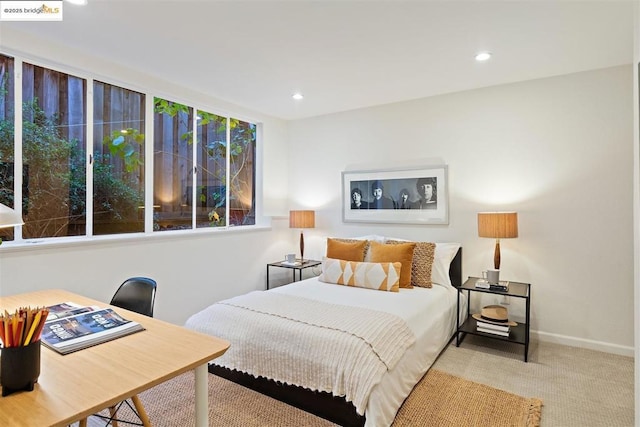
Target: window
x=211 y=175
x=242 y=199
x=173 y=166
x=222 y=140
x=203 y=163
x=118 y=160
x=53 y=153
x=7 y=130
x=174 y=174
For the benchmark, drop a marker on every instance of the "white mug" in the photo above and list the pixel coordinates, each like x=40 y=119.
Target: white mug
x=290 y=257
x=492 y=276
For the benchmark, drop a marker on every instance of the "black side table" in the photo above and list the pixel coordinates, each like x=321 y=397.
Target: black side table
x=298 y=267
x=518 y=334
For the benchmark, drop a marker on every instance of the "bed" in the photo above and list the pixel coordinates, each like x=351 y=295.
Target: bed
x=348 y=354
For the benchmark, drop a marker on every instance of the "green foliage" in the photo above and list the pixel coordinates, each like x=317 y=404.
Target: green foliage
x=6 y=157
x=162 y=106
x=216 y=220
x=111 y=194
x=55 y=169
x=173 y=109
x=55 y=183
x=124 y=144
x=216 y=149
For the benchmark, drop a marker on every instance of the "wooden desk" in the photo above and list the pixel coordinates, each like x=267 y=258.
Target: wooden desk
x=73 y=386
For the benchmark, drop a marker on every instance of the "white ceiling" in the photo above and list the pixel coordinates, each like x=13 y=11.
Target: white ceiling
x=344 y=55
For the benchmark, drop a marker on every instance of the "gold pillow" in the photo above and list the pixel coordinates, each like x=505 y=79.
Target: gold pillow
x=402 y=253
x=422 y=265
x=383 y=276
x=346 y=249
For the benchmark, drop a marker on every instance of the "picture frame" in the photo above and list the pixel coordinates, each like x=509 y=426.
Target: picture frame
x=416 y=195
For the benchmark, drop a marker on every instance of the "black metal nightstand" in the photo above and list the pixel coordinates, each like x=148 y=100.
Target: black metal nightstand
x=519 y=334
x=299 y=267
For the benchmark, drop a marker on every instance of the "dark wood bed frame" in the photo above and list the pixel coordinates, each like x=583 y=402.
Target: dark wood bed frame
x=323 y=404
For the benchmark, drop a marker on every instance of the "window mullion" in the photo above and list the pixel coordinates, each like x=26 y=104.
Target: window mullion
x=148 y=164
x=194 y=171
x=227 y=189
x=90 y=159
x=17 y=148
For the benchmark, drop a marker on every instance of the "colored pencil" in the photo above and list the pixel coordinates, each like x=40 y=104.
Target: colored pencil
x=22 y=327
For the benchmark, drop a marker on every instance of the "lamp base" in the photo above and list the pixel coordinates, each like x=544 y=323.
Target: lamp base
x=301 y=248
x=496 y=255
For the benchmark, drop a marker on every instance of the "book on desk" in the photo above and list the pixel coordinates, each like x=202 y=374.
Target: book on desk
x=73 y=327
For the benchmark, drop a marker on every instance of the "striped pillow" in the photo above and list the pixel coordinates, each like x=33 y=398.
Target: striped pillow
x=382 y=276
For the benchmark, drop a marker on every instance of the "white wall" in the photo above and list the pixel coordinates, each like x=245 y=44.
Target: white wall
x=191 y=271
x=557 y=150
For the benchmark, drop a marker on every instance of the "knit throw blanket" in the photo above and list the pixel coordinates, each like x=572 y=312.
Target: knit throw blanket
x=323 y=347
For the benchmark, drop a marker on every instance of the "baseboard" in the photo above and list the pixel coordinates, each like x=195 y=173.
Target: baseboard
x=583 y=343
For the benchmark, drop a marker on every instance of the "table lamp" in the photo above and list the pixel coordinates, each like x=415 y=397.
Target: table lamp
x=302 y=219
x=498 y=225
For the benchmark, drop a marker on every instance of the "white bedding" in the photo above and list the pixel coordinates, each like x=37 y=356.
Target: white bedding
x=429 y=314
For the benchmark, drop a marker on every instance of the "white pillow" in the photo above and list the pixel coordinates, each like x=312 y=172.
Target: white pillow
x=372 y=237
x=442 y=257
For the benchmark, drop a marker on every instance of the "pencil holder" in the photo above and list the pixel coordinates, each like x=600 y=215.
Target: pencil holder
x=19 y=368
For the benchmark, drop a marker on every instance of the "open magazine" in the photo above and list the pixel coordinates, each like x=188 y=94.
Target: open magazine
x=71 y=327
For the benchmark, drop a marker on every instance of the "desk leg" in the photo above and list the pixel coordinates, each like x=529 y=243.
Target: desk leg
x=202 y=396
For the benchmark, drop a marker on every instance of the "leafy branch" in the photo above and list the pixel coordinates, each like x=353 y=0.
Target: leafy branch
x=124 y=144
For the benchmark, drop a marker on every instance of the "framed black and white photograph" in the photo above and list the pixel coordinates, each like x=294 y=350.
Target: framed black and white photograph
x=414 y=196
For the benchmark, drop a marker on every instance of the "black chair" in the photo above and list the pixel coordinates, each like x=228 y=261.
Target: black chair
x=135 y=294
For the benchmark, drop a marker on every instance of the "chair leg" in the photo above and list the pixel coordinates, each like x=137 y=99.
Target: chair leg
x=112 y=413
x=141 y=412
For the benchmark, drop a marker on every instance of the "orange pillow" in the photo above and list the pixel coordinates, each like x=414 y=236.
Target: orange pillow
x=402 y=253
x=346 y=250
x=422 y=266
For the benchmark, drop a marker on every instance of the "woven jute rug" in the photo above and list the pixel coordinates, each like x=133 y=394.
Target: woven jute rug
x=439 y=399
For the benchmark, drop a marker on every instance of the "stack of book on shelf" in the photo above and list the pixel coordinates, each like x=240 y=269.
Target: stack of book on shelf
x=494 y=319
x=71 y=327
x=492 y=328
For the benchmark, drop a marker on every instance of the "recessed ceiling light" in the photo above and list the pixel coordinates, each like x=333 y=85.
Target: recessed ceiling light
x=78 y=2
x=483 y=56
x=297 y=96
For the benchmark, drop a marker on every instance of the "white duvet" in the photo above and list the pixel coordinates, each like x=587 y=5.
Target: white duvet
x=429 y=313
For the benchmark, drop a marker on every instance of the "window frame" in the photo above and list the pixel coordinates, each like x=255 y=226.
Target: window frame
x=150 y=94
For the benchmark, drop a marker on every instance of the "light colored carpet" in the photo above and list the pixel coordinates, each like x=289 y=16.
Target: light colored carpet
x=578 y=387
